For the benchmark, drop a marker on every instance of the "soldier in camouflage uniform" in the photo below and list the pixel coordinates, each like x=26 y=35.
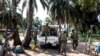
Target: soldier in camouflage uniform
x=74 y=37
x=63 y=41
x=46 y=31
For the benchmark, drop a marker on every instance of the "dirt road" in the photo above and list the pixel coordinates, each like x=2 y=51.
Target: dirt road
x=54 y=52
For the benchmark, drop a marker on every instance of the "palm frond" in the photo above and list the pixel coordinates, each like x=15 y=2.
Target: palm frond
x=24 y=5
x=35 y=5
x=44 y=4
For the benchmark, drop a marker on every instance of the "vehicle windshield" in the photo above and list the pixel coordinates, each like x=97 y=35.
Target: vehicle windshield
x=53 y=32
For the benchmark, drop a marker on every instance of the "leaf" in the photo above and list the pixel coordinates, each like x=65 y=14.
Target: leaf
x=20 y=9
x=24 y=5
x=35 y=5
x=87 y=5
x=44 y=4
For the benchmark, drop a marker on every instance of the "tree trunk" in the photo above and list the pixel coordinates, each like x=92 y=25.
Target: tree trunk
x=3 y=12
x=59 y=21
x=16 y=38
x=9 y=21
x=29 y=27
x=14 y=22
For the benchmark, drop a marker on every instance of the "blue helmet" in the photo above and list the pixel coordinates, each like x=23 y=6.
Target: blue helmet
x=64 y=30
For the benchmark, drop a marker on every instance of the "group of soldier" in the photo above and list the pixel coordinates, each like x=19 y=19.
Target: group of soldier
x=63 y=35
x=63 y=38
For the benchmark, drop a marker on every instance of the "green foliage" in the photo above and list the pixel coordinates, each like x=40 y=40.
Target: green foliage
x=82 y=38
x=7 y=18
x=88 y=5
x=61 y=9
x=1 y=37
x=23 y=24
x=48 y=20
x=37 y=23
x=5 y=12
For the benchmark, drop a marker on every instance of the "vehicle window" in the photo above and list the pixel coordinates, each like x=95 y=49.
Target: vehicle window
x=53 y=32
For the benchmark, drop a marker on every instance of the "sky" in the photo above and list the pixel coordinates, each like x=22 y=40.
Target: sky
x=41 y=13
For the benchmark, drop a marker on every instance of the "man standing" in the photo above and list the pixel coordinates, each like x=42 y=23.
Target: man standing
x=63 y=41
x=74 y=37
x=59 y=34
x=46 y=31
x=35 y=37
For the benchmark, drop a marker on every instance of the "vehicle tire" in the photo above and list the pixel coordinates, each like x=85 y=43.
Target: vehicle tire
x=41 y=46
x=57 y=46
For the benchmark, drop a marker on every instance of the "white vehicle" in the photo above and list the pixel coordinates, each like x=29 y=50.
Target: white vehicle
x=52 y=38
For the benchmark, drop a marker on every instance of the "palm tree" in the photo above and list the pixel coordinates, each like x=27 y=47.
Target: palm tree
x=31 y=6
x=89 y=9
x=10 y=17
x=60 y=10
x=63 y=11
x=14 y=24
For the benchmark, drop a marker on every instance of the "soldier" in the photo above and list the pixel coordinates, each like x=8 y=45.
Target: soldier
x=63 y=40
x=59 y=34
x=35 y=37
x=74 y=37
x=46 y=31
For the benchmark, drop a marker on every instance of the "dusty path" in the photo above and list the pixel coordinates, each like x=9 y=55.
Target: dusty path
x=54 y=52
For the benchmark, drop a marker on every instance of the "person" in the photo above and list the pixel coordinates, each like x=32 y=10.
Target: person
x=63 y=40
x=35 y=37
x=59 y=34
x=97 y=49
x=59 y=31
x=74 y=37
x=46 y=31
x=8 y=37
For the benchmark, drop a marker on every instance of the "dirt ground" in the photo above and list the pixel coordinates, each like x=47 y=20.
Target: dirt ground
x=54 y=52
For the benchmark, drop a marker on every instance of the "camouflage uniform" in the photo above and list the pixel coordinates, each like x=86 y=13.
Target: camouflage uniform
x=46 y=31
x=35 y=37
x=63 y=40
x=74 y=37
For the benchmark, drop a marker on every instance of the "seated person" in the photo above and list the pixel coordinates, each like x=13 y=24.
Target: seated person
x=97 y=49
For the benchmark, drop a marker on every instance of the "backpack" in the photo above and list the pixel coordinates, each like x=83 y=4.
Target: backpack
x=19 y=50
